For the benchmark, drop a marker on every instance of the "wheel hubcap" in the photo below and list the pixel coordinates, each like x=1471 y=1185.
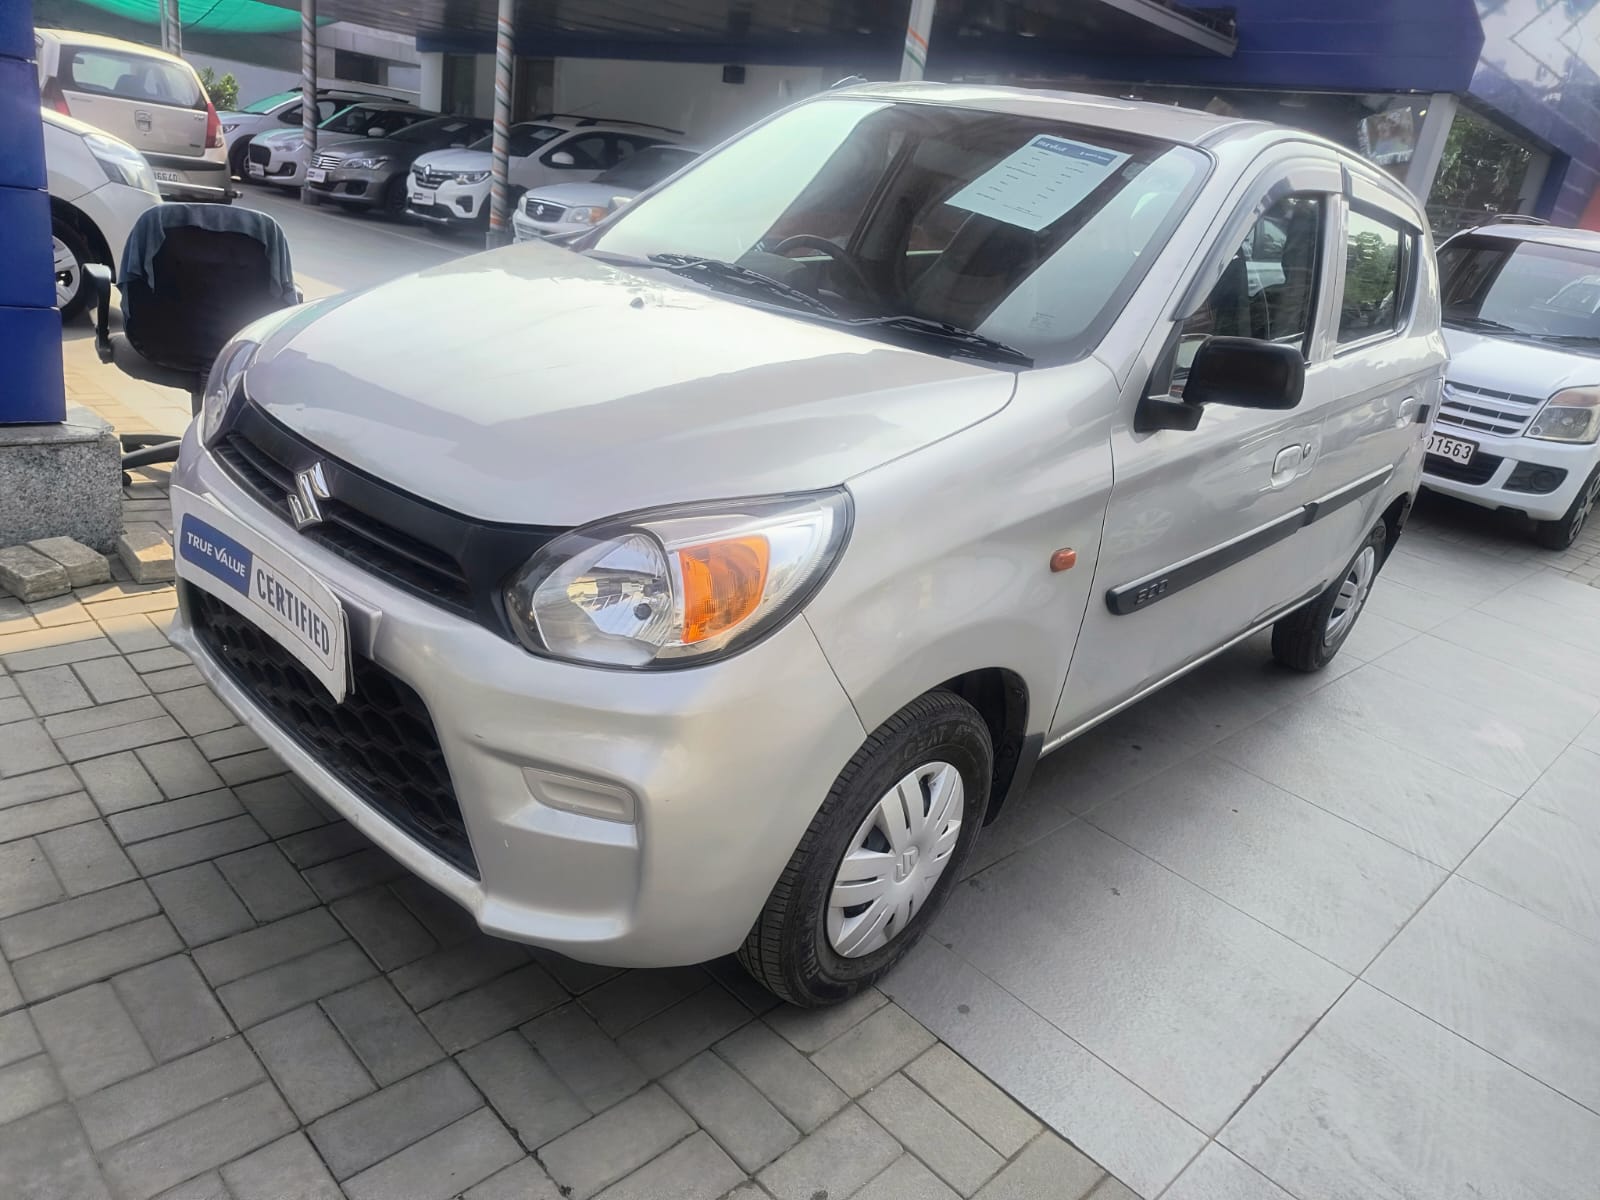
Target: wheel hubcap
x=1352 y=595
x=1585 y=507
x=895 y=859
x=69 y=275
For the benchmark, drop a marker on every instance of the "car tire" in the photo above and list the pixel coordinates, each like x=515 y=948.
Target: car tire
x=1308 y=638
x=72 y=255
x=805 y=949
x=237 y=155
x=395 y=196
x=1559 y=535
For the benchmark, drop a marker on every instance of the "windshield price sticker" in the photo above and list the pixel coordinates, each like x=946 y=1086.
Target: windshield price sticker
x=1040 y=183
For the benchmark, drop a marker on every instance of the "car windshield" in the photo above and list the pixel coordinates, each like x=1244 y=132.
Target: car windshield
x=442 y=131
x=359 y=118
x=1528 y=289
x=647 y=167
x=923 y=218
x=271 y=102
x=524 y=139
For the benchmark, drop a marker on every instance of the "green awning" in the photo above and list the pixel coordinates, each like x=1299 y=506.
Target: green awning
x=209 y=16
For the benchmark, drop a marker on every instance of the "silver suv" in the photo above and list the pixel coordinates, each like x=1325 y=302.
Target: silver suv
x=708 y=588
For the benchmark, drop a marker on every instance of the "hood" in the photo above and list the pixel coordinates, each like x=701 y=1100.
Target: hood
x=457 y=159
x=568 y=195
x=362 y=147
x=325 y=138
x=1517 y=367
x=536 y=386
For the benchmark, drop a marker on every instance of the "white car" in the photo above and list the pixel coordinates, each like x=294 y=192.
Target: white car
x=99 y=186
x=574 y=207
x=451 y=187
x=280 y=157
x=276 y=112
x=151 y=100
x=1519 y=426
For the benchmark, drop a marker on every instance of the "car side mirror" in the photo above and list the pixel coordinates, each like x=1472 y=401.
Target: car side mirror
x=1240 y=372
x=562 y=159
x=377 y=131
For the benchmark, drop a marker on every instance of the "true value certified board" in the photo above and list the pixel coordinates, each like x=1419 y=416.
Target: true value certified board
x=260 y=580
x=1040 y=183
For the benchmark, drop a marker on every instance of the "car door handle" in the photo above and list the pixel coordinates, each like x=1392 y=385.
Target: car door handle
x=1286 y=464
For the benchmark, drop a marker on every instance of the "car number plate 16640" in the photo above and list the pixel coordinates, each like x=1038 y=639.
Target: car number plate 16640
x=1455 y=449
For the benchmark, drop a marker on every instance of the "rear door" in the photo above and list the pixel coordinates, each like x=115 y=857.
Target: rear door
x=155 y=105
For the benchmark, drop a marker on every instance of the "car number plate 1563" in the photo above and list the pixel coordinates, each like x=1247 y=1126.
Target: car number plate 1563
x=1455 y=449
x=422 y=196
x=220 y=555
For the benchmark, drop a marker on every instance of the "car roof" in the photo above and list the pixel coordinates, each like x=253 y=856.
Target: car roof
x=571 y=121
x=75 y=38
x=1546 y=235
x=383 y=103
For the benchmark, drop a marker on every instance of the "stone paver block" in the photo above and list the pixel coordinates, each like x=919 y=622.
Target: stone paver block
x=731 y=1110
x=1113 y=1189
x=179 y=769
x=449 y=923
x=10 y=993
x=58 y=924
x=155 y=658
x=247 y=953
x=389 y=1120
x=25 y=747
x=244 y=768
x=26 y=880
x=45 y=1156
x=502 y=1004
x=25 y=820
x=694 y=1169
x=352 y=873
x=287 y=1169
x=102 y=717
x=28 y=1086
x=576 y=977
x=82 y=565
x=225 y=743
x=147 y=553
x=29 y=575
x=981 y=1106
x=199 y=903
x=442 y=1165
x=86 y=857
x=132 y=634
x=634 y=996
x=54 y=648
x=110 y=680
x=310 y=1063
x=118 y=782
x=54 y=690
x=172 y=1007
x=198 y=710
x=195 y=845
x=587 y=1060
x=870 y=1052
x=385 y=927
x=90 y=1038
x=52 y=972
x=201 y=1141
x=171 y=816
x=671 y=1038
x=382 y=1030
x=786 y=1077
x=616 y=1143
x=291 y=984
x=1047 y=1166
x=123 y=737
x=957 y=1155
x=268 y=885
x=37 y=785
x=14 y=708
x=172 y=678
x=137 y=1105
x=313 y=846
x=522 y=1180
x=908 y=1179
x=837 y=1159
x=282 y=808
x=57 y=612
x=529 y=1097
x=455 y=970
x=18 y=1038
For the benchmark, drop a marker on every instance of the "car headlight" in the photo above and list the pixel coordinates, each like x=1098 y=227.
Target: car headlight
x=226 y=371
x=1572 y=415
x=121 y=162
x=365 y=164
x=471 y=176
x=677 y=586
x=585 y=215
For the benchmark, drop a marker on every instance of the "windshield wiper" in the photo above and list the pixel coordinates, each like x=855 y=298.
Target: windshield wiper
x=1568 y=339
x=1482 y=323
x=727 y=272
x=964 y=340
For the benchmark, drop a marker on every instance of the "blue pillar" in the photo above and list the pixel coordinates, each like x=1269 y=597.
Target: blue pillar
x=31 y=389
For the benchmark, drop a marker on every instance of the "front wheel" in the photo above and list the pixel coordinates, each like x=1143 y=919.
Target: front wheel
x=1558 y=535
x=71 y=255
x=1308 y=638
x=880 y=856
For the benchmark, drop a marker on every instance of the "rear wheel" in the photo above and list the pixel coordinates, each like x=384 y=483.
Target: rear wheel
x=880 y=856
x=1308 y=638
x=395 y=196
x=71 y=254
x=237 y=154
x=1558 y=535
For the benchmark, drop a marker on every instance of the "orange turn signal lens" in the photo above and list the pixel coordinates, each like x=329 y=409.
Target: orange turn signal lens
x=723 y=583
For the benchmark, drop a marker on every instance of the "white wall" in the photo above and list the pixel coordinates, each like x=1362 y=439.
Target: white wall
x=254 y=82
x=686 y=96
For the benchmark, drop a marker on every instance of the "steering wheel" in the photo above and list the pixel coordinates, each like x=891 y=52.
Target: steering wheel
x=836 y=252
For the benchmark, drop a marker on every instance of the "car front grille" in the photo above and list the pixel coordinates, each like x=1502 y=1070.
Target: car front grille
x=380 y=741
x=259 y=154
x=428 y=177
x=327 y=162
x=1479 y=471
x=1484 y=410
x=456 y=562
x=545 y=212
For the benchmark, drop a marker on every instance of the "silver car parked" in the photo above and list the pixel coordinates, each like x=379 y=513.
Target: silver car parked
x=706 y=589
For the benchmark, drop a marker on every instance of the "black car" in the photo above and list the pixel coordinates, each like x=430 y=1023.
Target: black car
x=371 y=172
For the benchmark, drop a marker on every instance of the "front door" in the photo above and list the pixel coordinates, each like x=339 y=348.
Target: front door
x=1205 y=533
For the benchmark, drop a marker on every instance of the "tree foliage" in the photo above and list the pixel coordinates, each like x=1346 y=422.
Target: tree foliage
x=224 y=92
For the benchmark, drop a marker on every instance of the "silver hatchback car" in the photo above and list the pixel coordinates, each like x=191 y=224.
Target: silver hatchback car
x=706 y=588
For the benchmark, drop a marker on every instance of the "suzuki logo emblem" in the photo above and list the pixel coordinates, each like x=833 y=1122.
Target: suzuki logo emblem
x=310 y=489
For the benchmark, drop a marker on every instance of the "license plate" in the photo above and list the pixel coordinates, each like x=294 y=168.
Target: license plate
x=1456 y=450
x=257 y=169
x=422 y=197
x=315 y=174
x=290 y=605
x=168 y=177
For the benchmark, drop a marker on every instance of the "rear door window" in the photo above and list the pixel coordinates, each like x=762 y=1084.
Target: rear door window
x=1376 y=258
x=128 y=77
x=590 y=152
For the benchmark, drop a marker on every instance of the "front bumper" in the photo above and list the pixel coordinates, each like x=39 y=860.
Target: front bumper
x=453 y=203
x=1477 y=484
x=364 y=189
x=286 y=168
x=725 y=764
x=525 y=230
x=181 y=177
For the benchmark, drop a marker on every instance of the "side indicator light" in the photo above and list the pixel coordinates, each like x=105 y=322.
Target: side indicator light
x=1064 y=559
